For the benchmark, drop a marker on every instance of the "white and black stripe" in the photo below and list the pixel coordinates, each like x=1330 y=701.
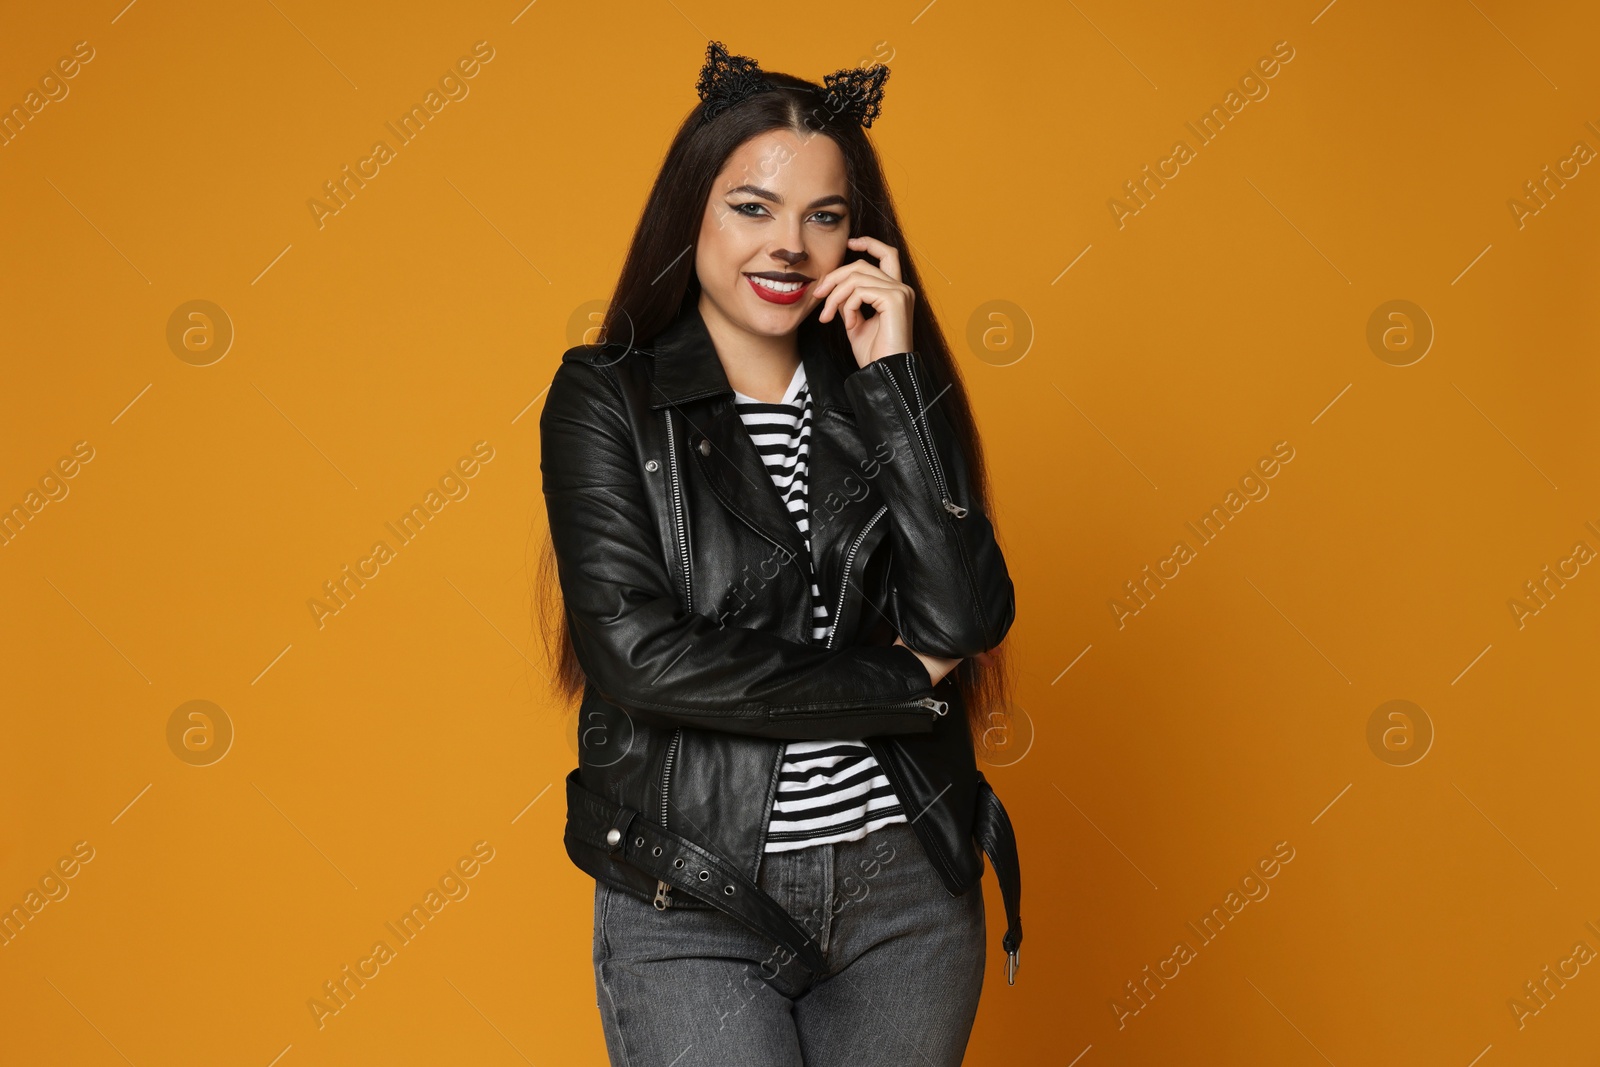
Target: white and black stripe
x=827 y=790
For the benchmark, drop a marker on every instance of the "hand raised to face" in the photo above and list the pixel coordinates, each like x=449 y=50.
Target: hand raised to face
x=844 y=290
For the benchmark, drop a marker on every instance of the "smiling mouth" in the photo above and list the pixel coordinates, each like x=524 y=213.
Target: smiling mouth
x=779 y=287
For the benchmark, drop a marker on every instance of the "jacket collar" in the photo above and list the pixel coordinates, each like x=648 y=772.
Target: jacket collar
x=687 y=366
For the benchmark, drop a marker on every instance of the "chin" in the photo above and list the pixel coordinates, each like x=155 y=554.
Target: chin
x=775 y=320
x=776 y=323
x=765 y=329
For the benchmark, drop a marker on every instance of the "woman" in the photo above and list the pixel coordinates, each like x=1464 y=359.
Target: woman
x=768 y=523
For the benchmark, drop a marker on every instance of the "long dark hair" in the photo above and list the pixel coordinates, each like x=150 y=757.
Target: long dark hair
x=658 y=282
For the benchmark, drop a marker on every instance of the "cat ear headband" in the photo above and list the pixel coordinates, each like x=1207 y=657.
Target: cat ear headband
x=727 y=80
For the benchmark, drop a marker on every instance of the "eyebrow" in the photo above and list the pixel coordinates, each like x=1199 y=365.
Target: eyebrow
x=767 y=194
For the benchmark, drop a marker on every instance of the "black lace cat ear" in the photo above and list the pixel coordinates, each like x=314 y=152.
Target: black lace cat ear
x=857 y=92
x=726 y=79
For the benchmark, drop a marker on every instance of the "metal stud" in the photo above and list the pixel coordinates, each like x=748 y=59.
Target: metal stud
x=613 y=836
x=705 y=446
x=651 y=465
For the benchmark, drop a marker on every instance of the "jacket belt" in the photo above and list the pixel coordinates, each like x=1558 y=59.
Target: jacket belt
x=673 y=859
x=684 y=866
x=992 y=828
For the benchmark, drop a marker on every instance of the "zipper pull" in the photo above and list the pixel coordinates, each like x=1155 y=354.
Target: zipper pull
x=955 y=509
x=661 y=901
x=939 y=706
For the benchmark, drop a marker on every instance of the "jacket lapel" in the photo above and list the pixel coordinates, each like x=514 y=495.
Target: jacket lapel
x=687 y=370
x=847 y=519
x=688 y=377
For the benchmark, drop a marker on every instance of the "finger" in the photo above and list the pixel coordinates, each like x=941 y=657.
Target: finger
x=875 y=280
x=887 y=255
x=831 y=296
x=880 y=298
x=860 y=294
x=850 y=320
x=850 y=308
x=845 y=286
x=849 y=270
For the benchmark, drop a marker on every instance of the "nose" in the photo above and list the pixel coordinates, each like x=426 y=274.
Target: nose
x=788 y=258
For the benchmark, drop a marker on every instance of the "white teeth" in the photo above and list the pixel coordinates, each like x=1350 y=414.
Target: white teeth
x=777 y=287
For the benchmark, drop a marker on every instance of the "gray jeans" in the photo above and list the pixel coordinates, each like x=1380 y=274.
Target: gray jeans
x=692 y=988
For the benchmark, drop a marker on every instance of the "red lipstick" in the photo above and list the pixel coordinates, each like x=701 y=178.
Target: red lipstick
x=772 y=296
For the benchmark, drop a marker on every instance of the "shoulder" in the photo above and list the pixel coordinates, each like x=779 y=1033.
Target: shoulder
x=619 y=359
x=612 y=359
x=600 y=355
x=608 y=376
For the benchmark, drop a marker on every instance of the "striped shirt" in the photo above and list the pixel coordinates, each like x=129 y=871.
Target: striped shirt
x=827 y=790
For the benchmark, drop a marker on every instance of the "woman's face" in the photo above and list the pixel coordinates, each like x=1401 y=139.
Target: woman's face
x=777 y=211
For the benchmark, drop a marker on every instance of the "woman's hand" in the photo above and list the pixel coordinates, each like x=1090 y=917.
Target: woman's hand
x=844 y=291
x=937 y=668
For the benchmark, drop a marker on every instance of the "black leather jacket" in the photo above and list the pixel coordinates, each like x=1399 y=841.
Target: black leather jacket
x=690 y=608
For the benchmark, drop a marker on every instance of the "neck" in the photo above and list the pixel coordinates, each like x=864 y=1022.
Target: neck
x=757 y=365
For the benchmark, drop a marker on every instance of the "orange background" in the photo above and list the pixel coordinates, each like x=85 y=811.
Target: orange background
x=371 y=353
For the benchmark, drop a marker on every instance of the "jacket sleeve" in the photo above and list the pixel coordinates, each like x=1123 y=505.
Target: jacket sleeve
x=952 y=593
x=635 y=642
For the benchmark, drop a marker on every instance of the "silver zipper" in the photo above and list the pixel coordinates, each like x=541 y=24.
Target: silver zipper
x=925 y=438
x=680 y=527
x=679 y=521
x=849 y=561
x=666 y=771
x=939 y=706
x=662 y=888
